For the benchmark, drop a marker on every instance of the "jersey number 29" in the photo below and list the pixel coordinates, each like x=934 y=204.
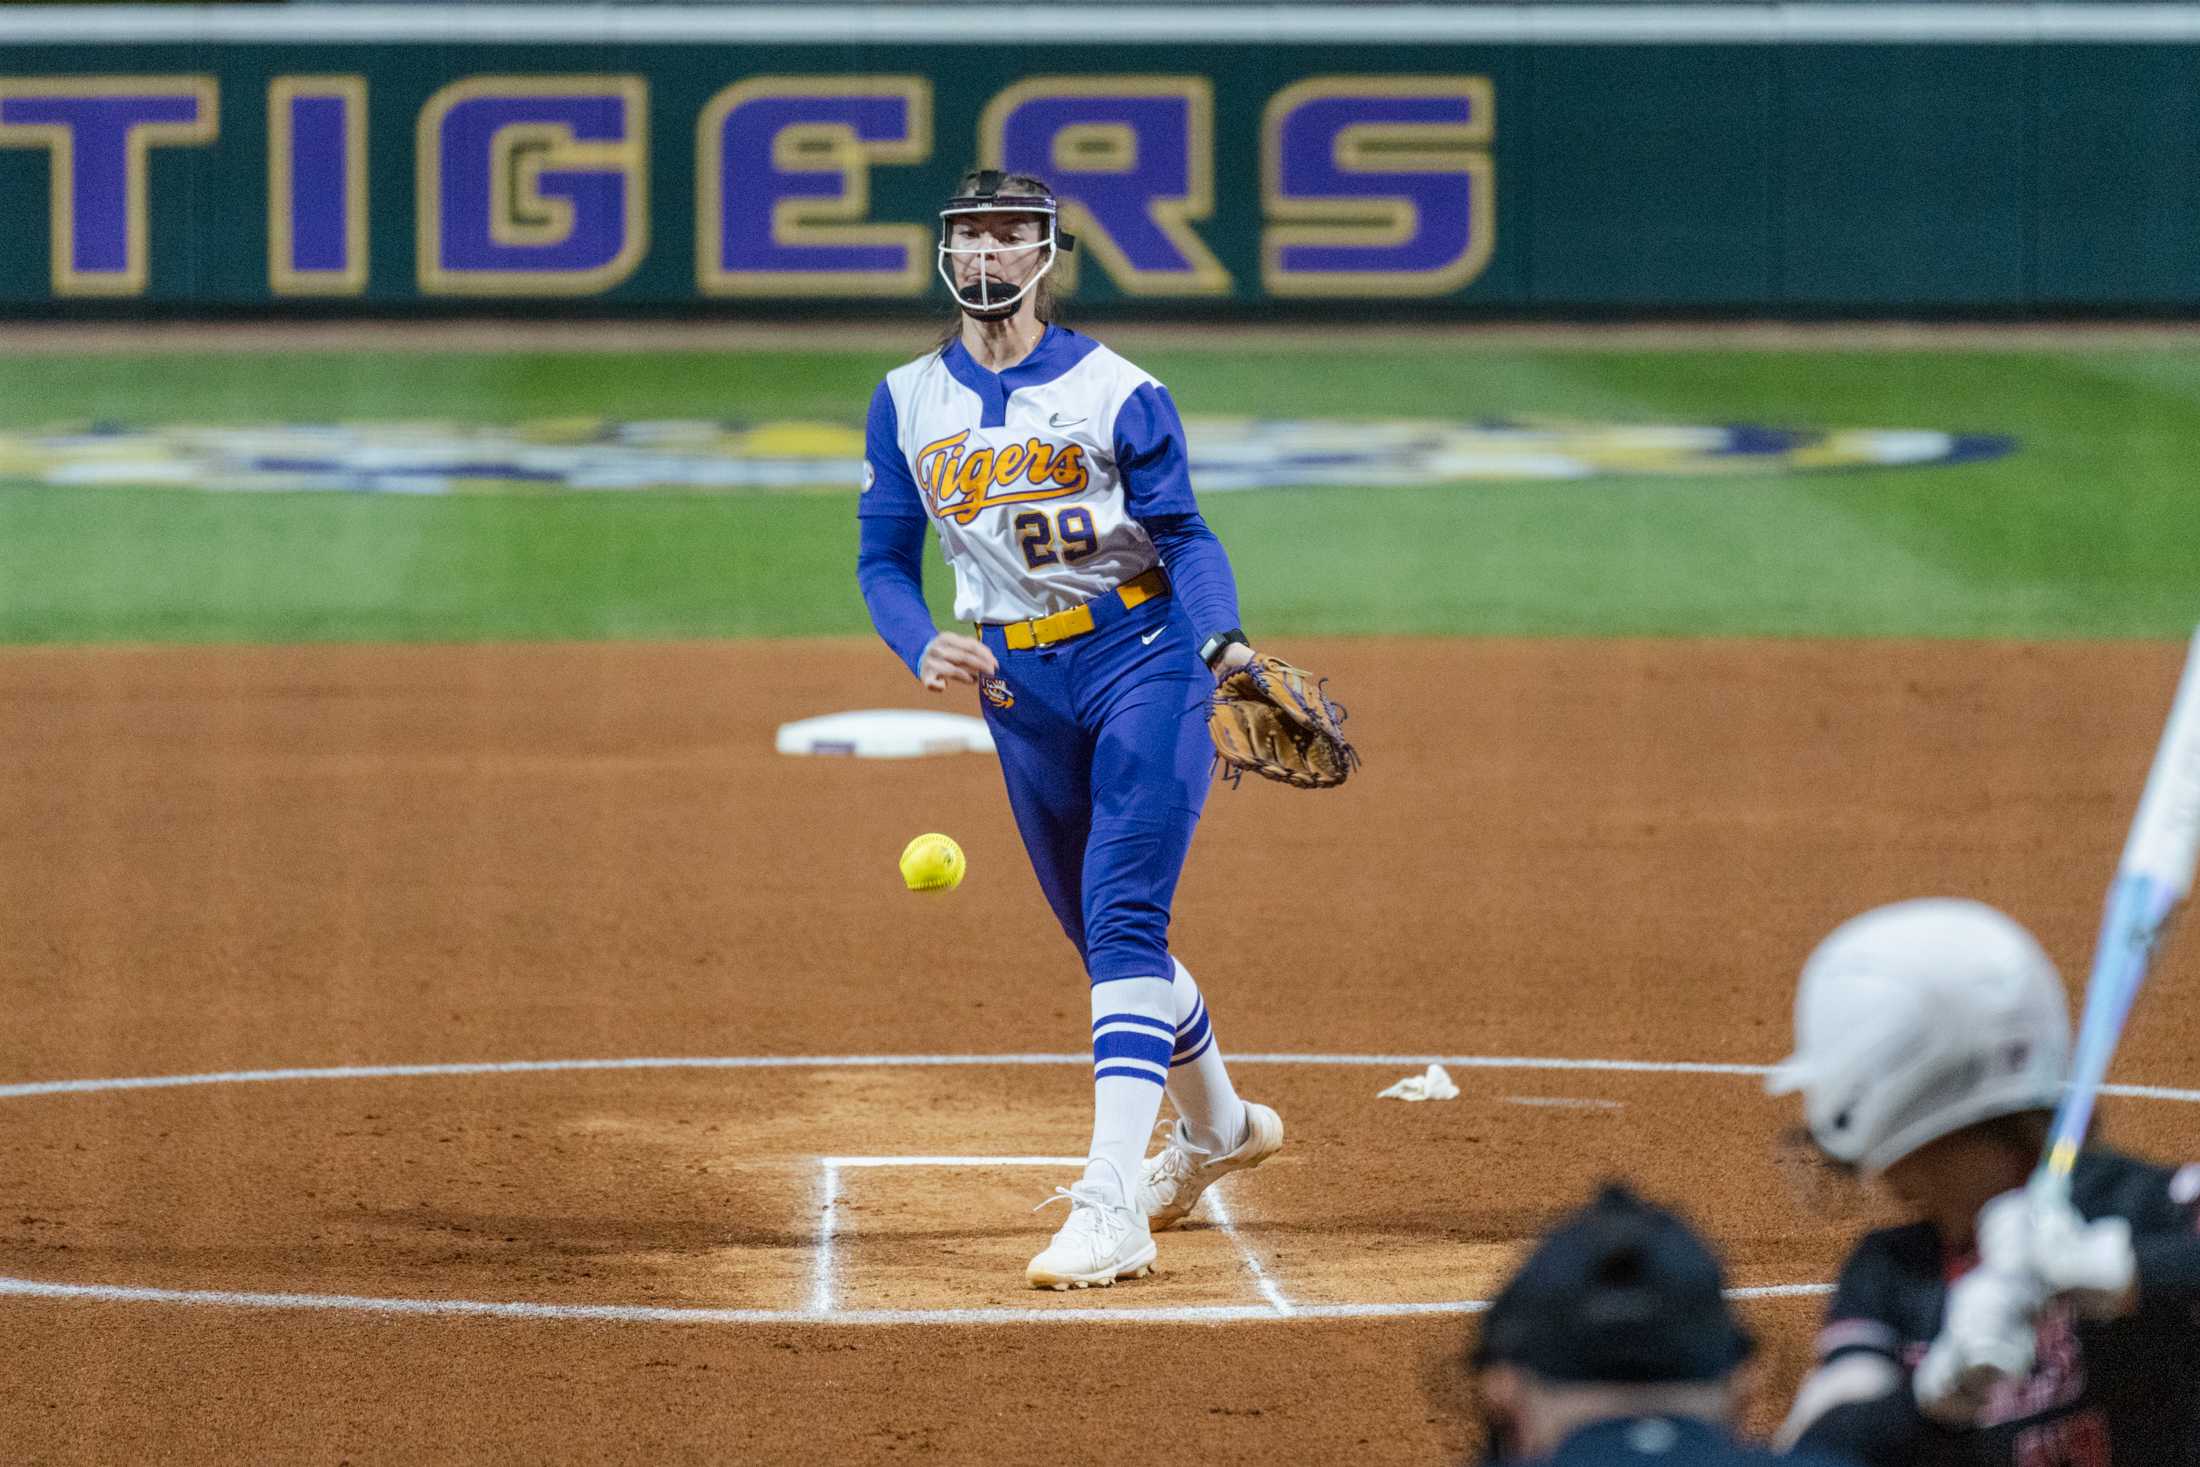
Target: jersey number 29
x=1037 y=532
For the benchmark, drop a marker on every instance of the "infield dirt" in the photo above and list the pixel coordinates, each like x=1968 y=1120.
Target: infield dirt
x=229 y=859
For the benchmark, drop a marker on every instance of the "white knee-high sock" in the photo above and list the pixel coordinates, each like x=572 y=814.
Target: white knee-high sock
x=1199 y=1085
x=1133 y=1031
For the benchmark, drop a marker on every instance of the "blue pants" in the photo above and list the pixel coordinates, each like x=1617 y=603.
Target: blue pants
x=1104 y=747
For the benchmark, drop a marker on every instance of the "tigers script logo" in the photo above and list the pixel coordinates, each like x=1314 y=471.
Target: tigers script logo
x=961 y=484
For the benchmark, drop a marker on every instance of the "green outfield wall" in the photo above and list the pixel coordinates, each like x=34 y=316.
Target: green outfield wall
x=1854 y=158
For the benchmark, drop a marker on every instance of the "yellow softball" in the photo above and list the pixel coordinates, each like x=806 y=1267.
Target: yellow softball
x=932 y=863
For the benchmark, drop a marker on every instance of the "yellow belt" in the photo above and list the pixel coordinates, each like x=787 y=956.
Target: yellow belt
x=1044 y=631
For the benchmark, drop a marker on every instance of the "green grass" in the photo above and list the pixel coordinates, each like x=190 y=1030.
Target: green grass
x=2090 y=529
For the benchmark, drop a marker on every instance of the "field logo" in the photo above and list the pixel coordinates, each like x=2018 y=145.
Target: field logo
x=700 y=457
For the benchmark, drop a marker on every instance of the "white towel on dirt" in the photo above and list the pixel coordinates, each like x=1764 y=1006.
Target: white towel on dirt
x=1435 y=1085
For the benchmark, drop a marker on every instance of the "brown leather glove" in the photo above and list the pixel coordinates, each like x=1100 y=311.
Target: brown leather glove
x=1273 y=719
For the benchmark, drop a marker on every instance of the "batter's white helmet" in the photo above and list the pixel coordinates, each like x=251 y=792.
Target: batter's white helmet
x=1916 y=1020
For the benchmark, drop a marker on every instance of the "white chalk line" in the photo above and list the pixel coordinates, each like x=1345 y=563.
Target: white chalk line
x=653 y=1314
x=821 y=1258
x=825 y=1282
x=1220 y=1212
x=1565 y=1102
x=659 y=1314
x=922 y=1061
x=824 y=1278
x=537 y=1067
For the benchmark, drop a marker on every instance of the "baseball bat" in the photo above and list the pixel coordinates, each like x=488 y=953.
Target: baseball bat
x=2153 y=877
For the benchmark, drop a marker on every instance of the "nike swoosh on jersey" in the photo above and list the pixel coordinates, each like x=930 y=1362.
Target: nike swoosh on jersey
x=1058 y=421
x=1147 y=639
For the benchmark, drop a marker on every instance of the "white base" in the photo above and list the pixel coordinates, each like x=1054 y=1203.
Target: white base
x=886 y=733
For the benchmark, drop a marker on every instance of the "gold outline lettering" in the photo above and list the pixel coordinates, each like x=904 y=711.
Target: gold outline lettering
x=822 y=147
x=629 y=158
x=1173 y=217
x=283 y=276
x=1376 y=149
x=60 y=144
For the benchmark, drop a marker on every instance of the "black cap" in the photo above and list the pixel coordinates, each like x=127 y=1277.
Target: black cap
x=1621 y=1291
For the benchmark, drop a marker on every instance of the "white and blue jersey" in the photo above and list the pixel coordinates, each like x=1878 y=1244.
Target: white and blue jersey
x=1029 y=474
x=1049 y=485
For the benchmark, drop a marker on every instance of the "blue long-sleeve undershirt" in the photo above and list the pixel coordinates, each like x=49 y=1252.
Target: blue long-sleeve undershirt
x=1154 y=459
x=890 y=570
x=1199 y=571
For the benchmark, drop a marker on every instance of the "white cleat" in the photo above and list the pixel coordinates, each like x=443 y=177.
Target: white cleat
x=1179 y=1172
x=1103 y=1241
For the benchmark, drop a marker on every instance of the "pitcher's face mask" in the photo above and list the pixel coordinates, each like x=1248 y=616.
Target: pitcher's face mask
x=971 y=227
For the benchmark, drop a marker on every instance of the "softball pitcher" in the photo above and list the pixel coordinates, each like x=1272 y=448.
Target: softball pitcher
x=1054 y=473
x=1932 y=1042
